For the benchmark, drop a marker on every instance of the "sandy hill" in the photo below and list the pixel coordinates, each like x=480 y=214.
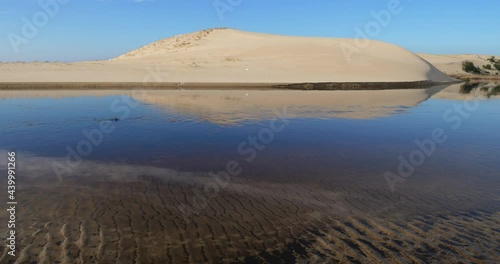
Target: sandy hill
x=233 y=56
x=452 y=64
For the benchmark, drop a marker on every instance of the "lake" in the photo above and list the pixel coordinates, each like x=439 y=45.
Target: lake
x=253 y=176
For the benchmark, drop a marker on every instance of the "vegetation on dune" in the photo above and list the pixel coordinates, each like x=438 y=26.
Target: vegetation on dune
x=495 y=62
x=469 y=66
x=497 y=65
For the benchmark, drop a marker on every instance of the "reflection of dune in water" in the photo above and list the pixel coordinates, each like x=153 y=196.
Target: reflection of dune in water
x=57 y=94
x=225 y=107
x=457 y=92
x=232 y=106
x=118 y=213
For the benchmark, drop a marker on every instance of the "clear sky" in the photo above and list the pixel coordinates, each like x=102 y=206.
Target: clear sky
x=75 y=30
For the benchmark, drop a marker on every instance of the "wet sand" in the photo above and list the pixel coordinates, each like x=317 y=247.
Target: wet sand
x=218 y=85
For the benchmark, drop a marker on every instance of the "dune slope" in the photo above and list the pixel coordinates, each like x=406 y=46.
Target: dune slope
x=452 y=64
x=233 y=56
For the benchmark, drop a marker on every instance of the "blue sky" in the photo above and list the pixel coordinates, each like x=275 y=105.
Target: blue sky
x=102 y=29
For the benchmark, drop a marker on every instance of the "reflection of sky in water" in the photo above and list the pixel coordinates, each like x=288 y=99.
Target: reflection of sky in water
x=156 y=136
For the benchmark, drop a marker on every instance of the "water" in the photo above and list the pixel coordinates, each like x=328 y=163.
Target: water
x=186 y=137
x=334 y=144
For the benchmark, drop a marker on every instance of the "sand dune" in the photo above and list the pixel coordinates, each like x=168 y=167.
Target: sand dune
x=452 y=64
x=228 y=55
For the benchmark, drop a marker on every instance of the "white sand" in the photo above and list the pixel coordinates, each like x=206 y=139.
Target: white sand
x=227 y=55
x=452 y=64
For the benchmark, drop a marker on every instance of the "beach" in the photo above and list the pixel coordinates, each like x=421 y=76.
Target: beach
x=232 y=57
x=228 y=146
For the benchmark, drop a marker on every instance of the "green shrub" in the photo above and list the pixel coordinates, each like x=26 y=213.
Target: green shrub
x=492 y=59
x=487 y=66
x=497 y=65
x=468 y=66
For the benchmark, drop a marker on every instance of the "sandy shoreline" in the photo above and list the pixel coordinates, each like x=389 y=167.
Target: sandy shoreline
x=214 y=85
x=477 y=77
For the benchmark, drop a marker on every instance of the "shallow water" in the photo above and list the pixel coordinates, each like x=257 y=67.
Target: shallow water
x=320 y=157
